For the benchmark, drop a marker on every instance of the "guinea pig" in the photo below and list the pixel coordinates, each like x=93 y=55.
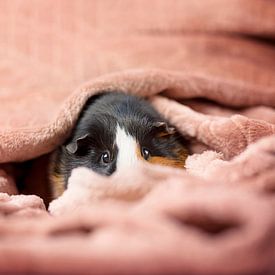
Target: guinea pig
x=114 y=131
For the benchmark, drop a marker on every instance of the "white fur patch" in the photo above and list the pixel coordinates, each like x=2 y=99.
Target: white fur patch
x=127 y=145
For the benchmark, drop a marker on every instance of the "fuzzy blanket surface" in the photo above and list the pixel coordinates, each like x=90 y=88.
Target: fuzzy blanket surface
x=206 y=66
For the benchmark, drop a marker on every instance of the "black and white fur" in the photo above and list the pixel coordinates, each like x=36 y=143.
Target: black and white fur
x=113 y=132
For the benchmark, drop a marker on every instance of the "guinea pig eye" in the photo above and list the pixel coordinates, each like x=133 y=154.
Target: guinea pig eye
x=105 y=157
x=145 y=153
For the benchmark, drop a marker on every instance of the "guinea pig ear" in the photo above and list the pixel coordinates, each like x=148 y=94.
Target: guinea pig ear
x=72 y=147
x=164 y=128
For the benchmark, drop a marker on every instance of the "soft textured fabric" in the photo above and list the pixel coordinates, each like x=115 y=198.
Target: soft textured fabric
x=209 y=68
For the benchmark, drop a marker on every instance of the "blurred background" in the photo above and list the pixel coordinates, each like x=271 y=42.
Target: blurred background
x=57 y=45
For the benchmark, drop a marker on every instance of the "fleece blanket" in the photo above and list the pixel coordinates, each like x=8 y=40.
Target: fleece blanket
x=208 y=67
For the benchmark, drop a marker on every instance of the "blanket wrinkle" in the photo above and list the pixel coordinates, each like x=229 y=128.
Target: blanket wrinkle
x=210 y=108
x=237 y=230
x=35 y=141
x=207 y=67
x=236 y=131
x=12 y=204
x=243 y=168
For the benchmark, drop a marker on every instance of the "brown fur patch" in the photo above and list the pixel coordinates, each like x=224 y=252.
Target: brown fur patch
x=178 y=161
x=57 y=182
x=57 y=185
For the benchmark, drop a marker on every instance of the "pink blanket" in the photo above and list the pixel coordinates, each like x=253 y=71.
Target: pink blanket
x=208 y=67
